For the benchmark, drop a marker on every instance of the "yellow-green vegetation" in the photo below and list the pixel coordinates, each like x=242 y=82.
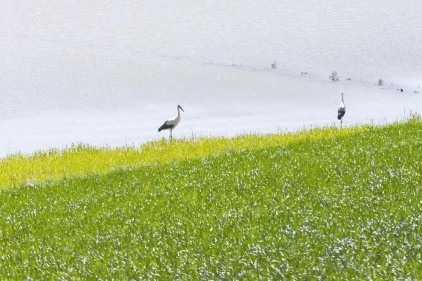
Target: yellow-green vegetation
x=84 y=160
x=318 y=205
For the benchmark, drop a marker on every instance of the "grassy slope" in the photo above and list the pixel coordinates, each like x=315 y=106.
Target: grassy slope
x=79 y=161
x=331 y=204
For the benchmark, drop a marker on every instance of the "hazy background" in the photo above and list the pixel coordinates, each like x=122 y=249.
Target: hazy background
x=110 y=72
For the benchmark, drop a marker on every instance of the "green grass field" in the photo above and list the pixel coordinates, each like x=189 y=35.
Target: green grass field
x=319 y=204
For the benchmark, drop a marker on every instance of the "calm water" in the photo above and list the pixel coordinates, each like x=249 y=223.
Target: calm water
x=107 y=72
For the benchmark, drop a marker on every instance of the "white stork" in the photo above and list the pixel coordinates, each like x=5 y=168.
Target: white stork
x=172 y=123
x=341 y=110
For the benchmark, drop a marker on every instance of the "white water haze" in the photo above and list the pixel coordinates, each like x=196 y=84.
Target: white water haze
x=109 y=73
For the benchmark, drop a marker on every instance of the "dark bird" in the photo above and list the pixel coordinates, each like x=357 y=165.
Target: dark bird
x=341 y=110
x=172 y=123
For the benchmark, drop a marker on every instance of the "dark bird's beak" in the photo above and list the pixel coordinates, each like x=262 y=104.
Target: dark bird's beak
x=181 y=108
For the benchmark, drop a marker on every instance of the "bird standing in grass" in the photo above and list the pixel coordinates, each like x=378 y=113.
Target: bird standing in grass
x=341 y=110
x=172 y=123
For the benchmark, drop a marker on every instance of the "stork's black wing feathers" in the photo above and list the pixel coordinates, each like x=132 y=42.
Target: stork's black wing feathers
x=165 y=126
x=340 y=113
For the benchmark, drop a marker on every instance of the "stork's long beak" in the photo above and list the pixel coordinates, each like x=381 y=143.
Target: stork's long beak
x=181 y=108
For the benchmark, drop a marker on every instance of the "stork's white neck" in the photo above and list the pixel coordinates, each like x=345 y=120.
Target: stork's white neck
x=178 y=114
